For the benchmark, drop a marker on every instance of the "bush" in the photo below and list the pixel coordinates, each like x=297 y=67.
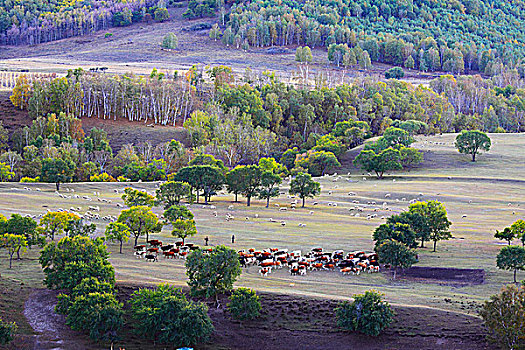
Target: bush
x=367 y=314
x=394 y=73
x=30 y=179
x=504 y=316
x=108 y=35
x=86 y=286
x=7 y=331
x=161 y=14
x=244 y=304
x=104 y=177
x=99 y=314
x=170 y=41
x=72 y=259
x=165 y=315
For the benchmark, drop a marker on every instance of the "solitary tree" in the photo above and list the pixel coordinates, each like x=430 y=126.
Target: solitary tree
x=367 y=314
x=269 y=186
x=385 y=160
x=504 y=316
x=140 y=220
x=117 y=232
x=170 y=41
x=212 y=273
x=396 y=254
x=304 y=186
x=54 y=222
x=13 y=243
x=511 y=258
x=506 y=235
x=57 y=170
x=133 y=197
x=518 y=228
x=250 y=180
x=171 y=193
x=472 y=142
x=429 y=221
x=181 y=219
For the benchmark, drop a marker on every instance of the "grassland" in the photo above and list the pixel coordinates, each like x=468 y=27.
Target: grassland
x=494 y=185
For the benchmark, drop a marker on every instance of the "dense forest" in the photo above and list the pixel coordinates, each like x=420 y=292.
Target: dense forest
x=38 y=21
x=452 y=36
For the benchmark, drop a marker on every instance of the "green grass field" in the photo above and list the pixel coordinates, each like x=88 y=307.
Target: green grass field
x=495 y=185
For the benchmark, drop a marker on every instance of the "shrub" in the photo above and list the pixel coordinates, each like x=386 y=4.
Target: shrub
x=108 y=35
x=104 y=177
x=7 y=331
x=30 y=179
x=504 y=316
x=86 y=286
x=72 y=259
x=99 y=314
x=244 y=304
x=170 y=41
x=122 y=179
x=161 y=14
x=367 y=314
x=394 y=73
x=165 y=315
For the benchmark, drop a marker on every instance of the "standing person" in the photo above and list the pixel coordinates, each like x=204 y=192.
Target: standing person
x=206 y=240
x=233 y=239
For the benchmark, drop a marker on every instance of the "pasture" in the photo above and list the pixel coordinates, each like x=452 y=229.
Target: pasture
x=479 y=197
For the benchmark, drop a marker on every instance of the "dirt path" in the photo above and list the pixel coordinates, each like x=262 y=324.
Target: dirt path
x=51 y=328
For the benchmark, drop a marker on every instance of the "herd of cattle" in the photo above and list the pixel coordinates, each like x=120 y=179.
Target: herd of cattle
x=273 y=258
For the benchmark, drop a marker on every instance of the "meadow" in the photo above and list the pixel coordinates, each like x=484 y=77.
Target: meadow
x=480 y=198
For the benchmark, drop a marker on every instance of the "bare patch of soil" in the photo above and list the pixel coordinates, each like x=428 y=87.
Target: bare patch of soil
x=52 y=332
x=445 y=274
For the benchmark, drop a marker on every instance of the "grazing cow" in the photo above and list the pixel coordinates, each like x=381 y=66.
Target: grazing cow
x=264 y=271
x=153 y=250
x=139 y=247
x=167 y=247
x=294 y=271
x=151 y=257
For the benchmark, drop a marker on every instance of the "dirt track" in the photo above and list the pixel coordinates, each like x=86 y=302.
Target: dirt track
x=52 y=331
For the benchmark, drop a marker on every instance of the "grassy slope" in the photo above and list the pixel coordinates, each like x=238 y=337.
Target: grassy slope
x=333 y=228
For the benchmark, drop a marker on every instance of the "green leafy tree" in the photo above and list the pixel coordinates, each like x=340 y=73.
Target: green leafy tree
x=212 y=273
x=165 y=315
x=396 y=254
x=506 y=235
x=161 y=14
x=235 y=181
x=140 y=220
x=386 y=160
x=304 y=186
x=72 y=259
x=117 y=232
x=472 y=142
x=504 y=316
x=79 y=228
x=429 y=221
x=55 y=222
x=133 y=197
x=7 y=331
x=181 y=219
x=400 y=232
x=394 y=73
x=518 y=228
x=25 y=226
x=171 y=193
x=244 y=304
x=98 y=314
x=86 y=286
x=367 y=314
x=13 y=243
x=57 y=170
x=318 y=162
x=170 y=41
x=511 y=258
x=249 y=180
x=288 y=158
x=269 y=186
x=207 y=178
x=410 y=156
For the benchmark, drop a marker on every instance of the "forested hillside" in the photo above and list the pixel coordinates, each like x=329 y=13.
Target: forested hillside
x=37 y=21
x=453 y=35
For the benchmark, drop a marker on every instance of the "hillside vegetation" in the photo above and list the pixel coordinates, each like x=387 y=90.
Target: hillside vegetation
x=454 y=36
